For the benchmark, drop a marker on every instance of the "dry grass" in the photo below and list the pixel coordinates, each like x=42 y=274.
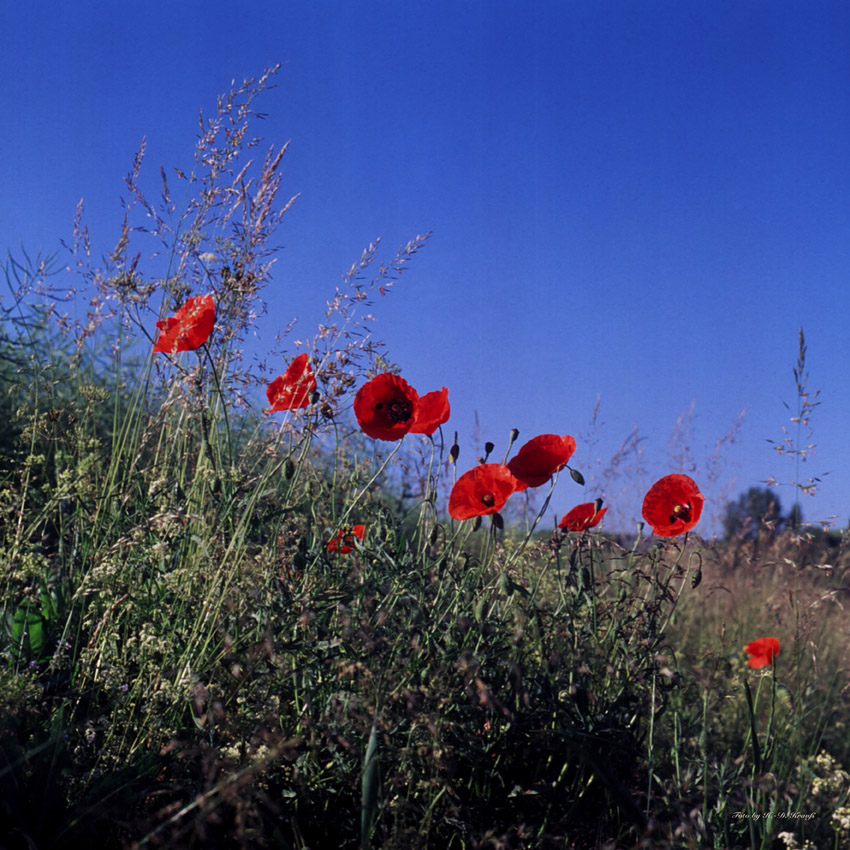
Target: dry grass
x=184 y=662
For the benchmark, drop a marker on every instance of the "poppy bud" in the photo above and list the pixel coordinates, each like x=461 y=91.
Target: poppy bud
x=288 y=469
x=514 y=435
x=476 y=523
x=597 y=505
x=696 y=578
x=313 y=397
x=488 y=447
x=505 y=584
x=454 y=451
x=498 y=522
x=577 y=476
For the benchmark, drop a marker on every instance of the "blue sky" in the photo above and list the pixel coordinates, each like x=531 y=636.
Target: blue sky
x=639 y=202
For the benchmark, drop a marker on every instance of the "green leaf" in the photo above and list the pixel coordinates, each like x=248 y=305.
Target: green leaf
x=28 y=632
x=369 y=790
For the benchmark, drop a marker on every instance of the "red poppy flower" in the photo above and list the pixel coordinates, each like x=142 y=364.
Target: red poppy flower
x=386 y=407
x=189 y=328
x=292 y=389
x=540 y=458
x=481 y=491
x=582 y=517
x=762 y=651
x=433 y=412
x=343 y=540
x=673 y=505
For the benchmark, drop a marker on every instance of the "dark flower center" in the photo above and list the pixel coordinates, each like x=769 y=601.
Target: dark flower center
x=397 y=411
x=682 y=512
x=488 y=500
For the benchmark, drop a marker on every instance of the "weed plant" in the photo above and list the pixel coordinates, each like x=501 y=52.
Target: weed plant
x=229 y=628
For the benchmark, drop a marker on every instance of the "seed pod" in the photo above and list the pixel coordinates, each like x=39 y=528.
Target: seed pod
x=288 y=469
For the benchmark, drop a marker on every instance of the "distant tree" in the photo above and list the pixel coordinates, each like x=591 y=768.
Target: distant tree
x=757 y=509
x=795 y=517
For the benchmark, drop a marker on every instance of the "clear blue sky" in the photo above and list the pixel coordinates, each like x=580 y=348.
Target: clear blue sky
x=637 y=200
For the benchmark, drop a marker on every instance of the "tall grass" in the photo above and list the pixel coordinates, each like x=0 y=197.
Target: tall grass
x=186 y=662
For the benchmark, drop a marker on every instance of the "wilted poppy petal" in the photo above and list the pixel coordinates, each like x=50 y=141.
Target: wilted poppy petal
x=292 y=389
x=386 y=407
x=762 y=651
x=189 y=328
x=540 y=458
x=582 y=517
x=673 y=505
x=433 y=411
x=481 y=491
x=343 y=540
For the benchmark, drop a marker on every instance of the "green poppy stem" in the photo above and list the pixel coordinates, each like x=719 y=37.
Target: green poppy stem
x=753 y=732
x=369 y=483
x=223 y=404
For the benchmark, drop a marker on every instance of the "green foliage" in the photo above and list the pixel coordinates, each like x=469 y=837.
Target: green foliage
x=185 y=663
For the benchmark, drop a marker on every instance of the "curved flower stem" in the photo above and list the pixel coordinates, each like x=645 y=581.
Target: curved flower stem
x=681 y=586
x=772 y=708
x=223 y=404
x=305 y=443
x=650 y=750
x=754 y=741
x=335 y=468
x=429 y=497
x=537 y=519
x=369 y=483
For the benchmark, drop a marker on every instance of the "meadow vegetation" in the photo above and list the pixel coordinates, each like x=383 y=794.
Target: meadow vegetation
x=311 y=626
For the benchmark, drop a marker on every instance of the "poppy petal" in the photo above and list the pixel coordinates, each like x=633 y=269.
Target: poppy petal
x=582 y=517
x=292 y=389
x=673 y=505
x=386 y=407
x=434 y=410
x=481 y=491
x=763 y=651
x=343 y=540
x=540 y=458
x=189 y=328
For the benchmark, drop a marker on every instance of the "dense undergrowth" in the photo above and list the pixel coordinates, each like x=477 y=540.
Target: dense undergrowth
x=197 y=649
